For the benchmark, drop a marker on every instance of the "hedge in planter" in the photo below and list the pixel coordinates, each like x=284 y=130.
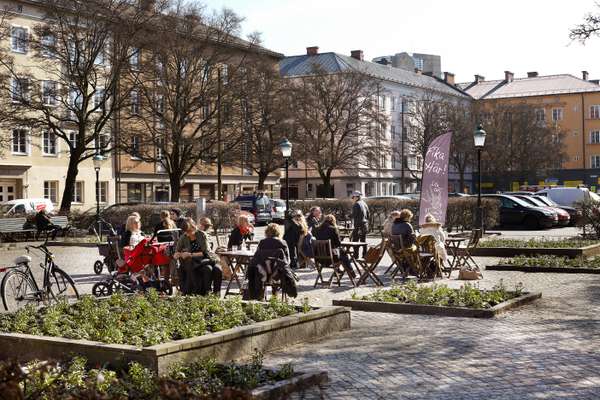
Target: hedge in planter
x=76 y=379
x=141 y=320
x=460 y=214
x=571 y=243
x=552 y=262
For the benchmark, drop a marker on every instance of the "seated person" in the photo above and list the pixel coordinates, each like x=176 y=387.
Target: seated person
x=133 y=232
x=43 y=223
x=402 y=227
x=242 y=232
x=165 y=223
x=177 y=217
x=328 y=230
x=389 y=221
x=260 y=269
x=198 y=264
x=433 y=228
x=313 y=218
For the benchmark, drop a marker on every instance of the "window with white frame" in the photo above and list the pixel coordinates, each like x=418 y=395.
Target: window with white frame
x=78 y=192
x=595 y=111
x=102 y=142
x=224 y=74
x=49 y=92
x=557 y=114
x=102 y=193
x=135 y=102
x=48 y=43
x=100 y=57
x=595 y=161
x=135 y=147
x=393 y=103
x=160 y=143
x=19 y=141
x=382 y=102
x=540 y=115
x=49 y=145
x=19 y=39
x=393 y=131
x=75 y=100
x=19 y=90
x=419 y=63
x=99 y=100
x=134 y=59
x=595 y=137
x=73 y=138
x=51 y=191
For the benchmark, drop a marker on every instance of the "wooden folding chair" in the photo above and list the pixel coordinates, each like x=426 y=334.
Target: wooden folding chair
x=405 y=257
x=324 y=259
x=464 y=258
x=430 y=259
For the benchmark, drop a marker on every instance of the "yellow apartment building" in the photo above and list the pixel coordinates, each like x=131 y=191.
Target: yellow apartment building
x=573 y=103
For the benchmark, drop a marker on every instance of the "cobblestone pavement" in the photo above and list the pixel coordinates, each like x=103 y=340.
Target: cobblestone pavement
x=546 y=350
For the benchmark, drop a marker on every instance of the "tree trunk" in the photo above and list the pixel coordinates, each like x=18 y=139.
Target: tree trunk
x=262 y=177
x=327 y=189
x=71 y=178
x=175 y=181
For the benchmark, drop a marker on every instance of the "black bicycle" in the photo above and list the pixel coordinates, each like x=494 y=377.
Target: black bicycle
x=19 y=286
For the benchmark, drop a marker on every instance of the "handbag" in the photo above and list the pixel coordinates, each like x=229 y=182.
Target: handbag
x=465 y=274
x=372 y=254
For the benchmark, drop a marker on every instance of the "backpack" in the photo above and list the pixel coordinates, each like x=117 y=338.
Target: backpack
x=307 y=245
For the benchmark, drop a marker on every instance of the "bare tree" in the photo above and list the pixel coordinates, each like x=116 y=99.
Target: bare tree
x=82 y=49
x=263 y=116
x=588 y=28
x=182 y=103
x=338 y=121
x=461 y=120
x=519 y=142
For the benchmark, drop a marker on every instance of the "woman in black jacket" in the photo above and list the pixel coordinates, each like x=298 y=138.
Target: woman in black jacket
x=328 y=230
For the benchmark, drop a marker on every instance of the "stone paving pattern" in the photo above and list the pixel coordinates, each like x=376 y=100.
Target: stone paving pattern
x=546 y=350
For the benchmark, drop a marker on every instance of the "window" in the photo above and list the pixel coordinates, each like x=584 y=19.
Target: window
x=19 y=89
x=104 y=141
x=134 y=192
x=540 y=115
x=103 y=186
x=135 y=102
x=99 y=100
x=557 y=114
x=595 y=137
x=160 y=143
x=349 y=189
x=19 y=141
x=100 y=57
x=135 y=147
x=73 y=138
x=134 y=59
x=393 y=130
x=49 y=147
x=393 y=103
x=75 y=100
x=19 y=39
x=51 y=191
x=78 y=192
x=160 y=103
x=225 y=74
x=595 y=161
x=49 y=90
x=48 y=46
x=595 y=111
x=418 y=63
x=382 y=102
x=206 y=111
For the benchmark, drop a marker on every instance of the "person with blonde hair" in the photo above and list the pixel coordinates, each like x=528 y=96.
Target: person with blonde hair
x=402 y=227
x=389 y=221
x=166 y=223
x=133 y=232
x=243 y=231
x=433 y=228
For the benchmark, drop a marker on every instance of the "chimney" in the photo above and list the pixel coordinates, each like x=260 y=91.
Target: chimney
x=358 y=54
x=479 y=78
x=312 y=51
x=449 y=78
x=508 y=76
x=584 y=75
x=532 y=74
x=418 y=71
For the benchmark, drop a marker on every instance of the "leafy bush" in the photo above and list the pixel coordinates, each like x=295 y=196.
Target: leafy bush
x=552 y=261
x=589 y=220
x=571 y=243
x=141 y=320
x=460 y=214
x=468 y=296
x=74 y=379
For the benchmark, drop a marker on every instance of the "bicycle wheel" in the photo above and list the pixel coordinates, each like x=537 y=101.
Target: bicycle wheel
x=61 y=286
x=18 y=290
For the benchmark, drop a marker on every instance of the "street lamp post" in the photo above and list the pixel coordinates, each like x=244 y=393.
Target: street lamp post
x=97 y=163
x=286 y=151
x=479 y=139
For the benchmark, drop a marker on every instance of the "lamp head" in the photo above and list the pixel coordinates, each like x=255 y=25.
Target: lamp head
x=479 y=137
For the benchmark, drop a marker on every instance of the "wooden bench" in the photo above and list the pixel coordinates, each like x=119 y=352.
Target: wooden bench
x=58 y=220
x=11 y=228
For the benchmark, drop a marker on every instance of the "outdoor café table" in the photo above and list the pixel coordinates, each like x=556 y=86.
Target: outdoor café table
x=453 y=244
x=238 y=260
x=363 y=268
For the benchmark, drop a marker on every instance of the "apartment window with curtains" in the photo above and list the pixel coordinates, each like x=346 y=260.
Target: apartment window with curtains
x=595 y=161
x=19 y=39
x=557 y=114
x=51 y=191
x=595 y=111
x=595 y=137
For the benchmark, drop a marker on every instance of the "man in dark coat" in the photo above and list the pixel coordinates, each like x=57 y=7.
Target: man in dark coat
x=360 y=219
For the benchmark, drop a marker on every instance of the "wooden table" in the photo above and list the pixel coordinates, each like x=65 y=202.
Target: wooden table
x=237 y=260
x=364 y=269
x=453 y=244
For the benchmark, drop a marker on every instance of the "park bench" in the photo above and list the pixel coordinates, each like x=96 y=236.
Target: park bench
x=58 y=220
x=12 y=228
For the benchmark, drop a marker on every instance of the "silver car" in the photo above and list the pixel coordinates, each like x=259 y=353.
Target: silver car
x=278 y=209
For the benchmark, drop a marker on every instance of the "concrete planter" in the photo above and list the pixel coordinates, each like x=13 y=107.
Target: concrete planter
x=402 y=308
x=284 y=388
x=587 y=251
x=558 y=270
x=227 y=345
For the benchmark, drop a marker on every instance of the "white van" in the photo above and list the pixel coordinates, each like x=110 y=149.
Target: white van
x=20 y=207
x=568 y=196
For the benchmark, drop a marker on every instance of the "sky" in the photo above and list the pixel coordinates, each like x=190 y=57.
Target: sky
x=485 y=37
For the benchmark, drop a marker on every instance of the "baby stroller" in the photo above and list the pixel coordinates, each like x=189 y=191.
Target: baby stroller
x=109 y=251
x=141 y=268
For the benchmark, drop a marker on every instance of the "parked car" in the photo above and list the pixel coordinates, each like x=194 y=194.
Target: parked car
x=258 y=205
x=457 y=194
x=390 y=197
x=568 y=196
x=519 y=193
x=248 y=215
x=278 y=210
x=563 y=216
x=573 y=212
x=412 y=196
x=517 y=212
x=20 y=207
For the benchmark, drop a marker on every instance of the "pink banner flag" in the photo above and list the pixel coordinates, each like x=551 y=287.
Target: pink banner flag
x=434 y=186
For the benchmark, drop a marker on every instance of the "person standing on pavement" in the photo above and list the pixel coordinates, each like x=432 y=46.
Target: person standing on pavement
x=360 y=219
x=293 y=232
